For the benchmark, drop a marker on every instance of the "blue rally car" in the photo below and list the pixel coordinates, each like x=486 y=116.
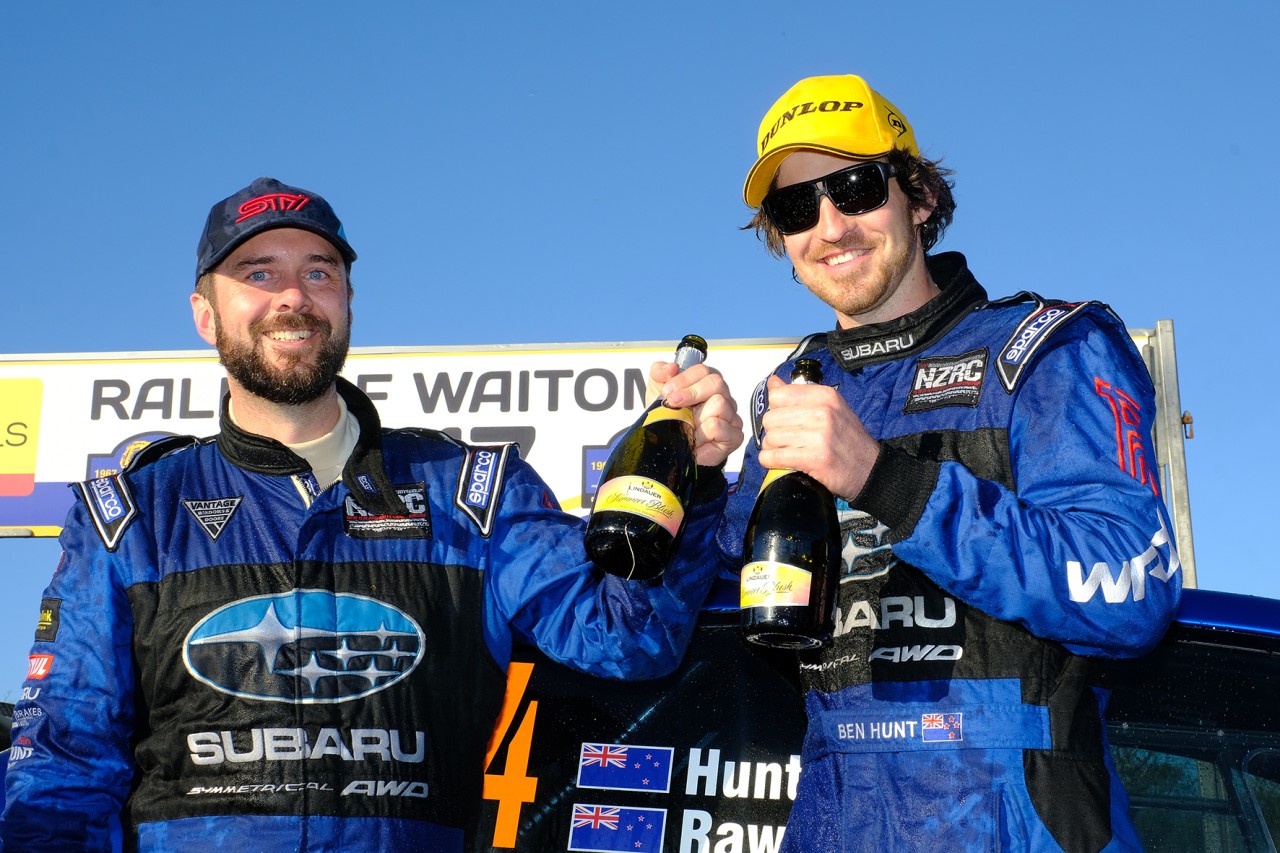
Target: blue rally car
x=1195 y=728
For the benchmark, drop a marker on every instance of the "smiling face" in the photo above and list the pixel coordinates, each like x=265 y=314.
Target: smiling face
x=870 y=267
x=278 y=310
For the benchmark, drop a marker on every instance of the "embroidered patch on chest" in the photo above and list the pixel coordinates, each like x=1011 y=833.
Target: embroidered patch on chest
x=947 y=381
x=214 y=514
x=413 y=523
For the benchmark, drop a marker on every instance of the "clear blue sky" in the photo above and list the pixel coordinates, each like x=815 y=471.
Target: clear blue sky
x=556 y=172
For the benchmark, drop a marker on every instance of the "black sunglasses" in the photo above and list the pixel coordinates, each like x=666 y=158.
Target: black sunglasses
x=857 y=189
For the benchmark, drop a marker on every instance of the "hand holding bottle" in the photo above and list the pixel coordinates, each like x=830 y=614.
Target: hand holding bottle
x=810 y=428
x=649 y=479
x=717 y=425
x=791 y=555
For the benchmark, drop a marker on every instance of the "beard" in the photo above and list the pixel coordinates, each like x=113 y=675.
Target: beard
x=855 y=295
x=296 y=382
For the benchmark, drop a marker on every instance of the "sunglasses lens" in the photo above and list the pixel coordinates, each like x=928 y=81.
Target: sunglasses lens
x=793 y=209
x=858 y=190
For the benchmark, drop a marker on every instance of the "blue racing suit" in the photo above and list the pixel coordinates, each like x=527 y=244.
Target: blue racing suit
x=1011 y=529
x=232 y=658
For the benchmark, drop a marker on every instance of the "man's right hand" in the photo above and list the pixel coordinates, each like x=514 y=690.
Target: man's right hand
x=810 y=428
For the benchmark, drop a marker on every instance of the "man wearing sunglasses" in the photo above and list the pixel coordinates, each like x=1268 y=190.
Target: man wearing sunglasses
x=295 y=635
x=1000 y=513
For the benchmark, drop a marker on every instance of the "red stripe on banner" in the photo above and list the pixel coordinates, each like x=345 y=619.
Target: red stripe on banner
x=17 y=485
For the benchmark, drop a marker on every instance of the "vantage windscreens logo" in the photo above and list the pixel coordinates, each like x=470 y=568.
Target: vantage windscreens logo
x=303 y=647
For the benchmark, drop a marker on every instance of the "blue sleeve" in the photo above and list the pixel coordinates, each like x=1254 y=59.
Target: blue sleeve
x=737 y=512
x=544 y=590
x=71 y=765
x=1080 y=550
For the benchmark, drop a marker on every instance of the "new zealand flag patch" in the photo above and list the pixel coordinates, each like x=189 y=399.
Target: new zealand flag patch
x=947 y=381
x=413 y=523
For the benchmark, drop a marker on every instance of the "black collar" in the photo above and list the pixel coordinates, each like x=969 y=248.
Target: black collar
x=893 y=339
x=364 y=473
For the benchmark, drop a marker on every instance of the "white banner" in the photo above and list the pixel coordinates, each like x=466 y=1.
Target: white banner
x=65 y=418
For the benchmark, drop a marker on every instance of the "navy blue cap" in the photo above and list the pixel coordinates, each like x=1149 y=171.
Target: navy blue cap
x=265 y=204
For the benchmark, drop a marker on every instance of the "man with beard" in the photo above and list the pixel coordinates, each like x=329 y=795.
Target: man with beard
x=1001 y=522
x=294 y=635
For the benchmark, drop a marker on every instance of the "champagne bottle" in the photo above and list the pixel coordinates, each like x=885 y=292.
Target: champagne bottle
x=645 y=486
x=792 y=556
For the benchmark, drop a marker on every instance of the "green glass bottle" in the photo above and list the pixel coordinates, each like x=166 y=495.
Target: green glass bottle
x=645 y=487
x=791 y=555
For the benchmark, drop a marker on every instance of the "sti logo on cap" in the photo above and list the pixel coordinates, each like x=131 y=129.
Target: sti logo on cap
x=272 y=201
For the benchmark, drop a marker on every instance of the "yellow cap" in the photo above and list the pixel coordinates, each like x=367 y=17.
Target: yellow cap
x=838 y=115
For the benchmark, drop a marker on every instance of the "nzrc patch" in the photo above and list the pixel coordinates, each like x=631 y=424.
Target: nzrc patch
x=414 y=523
x=947 y=381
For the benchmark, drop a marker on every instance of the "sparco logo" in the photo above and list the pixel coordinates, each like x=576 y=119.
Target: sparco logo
x=480 y=484
x=481 y=478
x=109 y=504
x=1018 y=348
x=1032 y=332
x=303 y=647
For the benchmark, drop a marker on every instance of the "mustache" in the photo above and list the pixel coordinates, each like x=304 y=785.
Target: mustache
x=291 y=323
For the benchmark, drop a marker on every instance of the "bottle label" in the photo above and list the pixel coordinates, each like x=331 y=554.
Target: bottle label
x=663 y=413
x=767 y=583
x=772 y=474
x=644 y=497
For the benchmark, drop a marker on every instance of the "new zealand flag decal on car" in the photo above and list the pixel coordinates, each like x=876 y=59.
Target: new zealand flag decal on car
x=303 y=647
